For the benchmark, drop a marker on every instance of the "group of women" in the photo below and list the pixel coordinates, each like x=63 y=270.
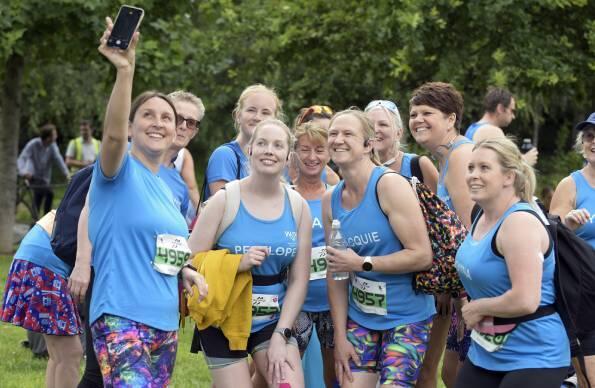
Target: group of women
x=373 y=328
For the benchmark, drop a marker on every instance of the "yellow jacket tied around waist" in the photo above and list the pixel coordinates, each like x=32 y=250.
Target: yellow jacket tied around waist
x=228 y=304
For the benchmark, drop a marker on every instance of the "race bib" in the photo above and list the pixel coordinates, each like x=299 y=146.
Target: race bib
x=318 y=263
x=265 y=307
x=170 y=254
x=368 y=295
x=492 y=337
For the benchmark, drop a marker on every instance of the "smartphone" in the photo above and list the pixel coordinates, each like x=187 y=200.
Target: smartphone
x=127 y=22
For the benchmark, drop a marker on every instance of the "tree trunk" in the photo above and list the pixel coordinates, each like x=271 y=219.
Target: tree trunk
x=10 y=103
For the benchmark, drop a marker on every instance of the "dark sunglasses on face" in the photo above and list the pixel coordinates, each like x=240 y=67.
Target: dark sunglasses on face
x=190 y=123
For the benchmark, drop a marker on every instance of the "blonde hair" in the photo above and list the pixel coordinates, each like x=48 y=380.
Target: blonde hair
x=511 y=159
x=257 y=88
x=367 y=127
x=182 y=95
x=396 y=125
x=277 y=123
x=312 y=131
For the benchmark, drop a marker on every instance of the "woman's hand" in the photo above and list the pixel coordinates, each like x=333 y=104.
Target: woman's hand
x=577 y=217
x=78 y=282
x=344 y=351
x=121 y=59
x=255 y=256
x=277 y=360
x=343 y=260
x=471 y=313
x=192 y=278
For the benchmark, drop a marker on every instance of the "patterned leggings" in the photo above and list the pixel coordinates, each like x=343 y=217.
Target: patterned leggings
x=131 y=354
x=396 y=353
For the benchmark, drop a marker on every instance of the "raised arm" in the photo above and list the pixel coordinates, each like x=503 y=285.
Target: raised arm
x=115 y=129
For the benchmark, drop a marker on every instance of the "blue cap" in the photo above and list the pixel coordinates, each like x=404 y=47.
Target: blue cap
x=583 y=124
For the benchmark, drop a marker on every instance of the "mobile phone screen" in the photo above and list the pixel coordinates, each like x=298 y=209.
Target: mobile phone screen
x=124 y=27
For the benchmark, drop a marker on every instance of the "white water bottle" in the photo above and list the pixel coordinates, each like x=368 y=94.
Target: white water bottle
x=338 y=242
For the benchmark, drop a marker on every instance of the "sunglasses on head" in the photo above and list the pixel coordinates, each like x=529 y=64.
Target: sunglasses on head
x=321 y=110
x=391 y=106
x=191 y=124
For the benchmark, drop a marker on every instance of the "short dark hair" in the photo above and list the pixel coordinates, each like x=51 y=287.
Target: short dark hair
x=146 y=96
x=496 y=96
x=442 y=96
x=46 y=131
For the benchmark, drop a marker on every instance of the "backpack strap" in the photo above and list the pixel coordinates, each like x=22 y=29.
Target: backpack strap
x=296 y=202
x=543 y=222
x=542 y=311
x=416 y=168
x=232 y=205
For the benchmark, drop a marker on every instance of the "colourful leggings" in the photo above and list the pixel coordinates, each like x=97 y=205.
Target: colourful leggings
x=131 y=354
x=397 y=354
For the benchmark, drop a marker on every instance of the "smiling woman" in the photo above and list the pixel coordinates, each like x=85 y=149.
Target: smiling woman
x=135 y=229
x=264 y=232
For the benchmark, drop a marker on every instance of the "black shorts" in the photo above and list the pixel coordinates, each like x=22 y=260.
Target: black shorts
x=587 y=341
x=474 y=376
x=215 y=345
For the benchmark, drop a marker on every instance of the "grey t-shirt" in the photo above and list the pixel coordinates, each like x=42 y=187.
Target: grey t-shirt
x=37 y=159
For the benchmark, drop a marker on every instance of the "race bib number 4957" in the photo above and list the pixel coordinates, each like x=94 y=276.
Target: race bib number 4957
x=368 y=295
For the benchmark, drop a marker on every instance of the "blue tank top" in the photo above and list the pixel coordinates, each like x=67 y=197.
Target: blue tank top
x=378 y=301
x=470 y=132
x=539 y=343
x=36 y=248
x=317 y=296
x=223 y=165
x=442 y=191
x=585 y=198
x=280 y=236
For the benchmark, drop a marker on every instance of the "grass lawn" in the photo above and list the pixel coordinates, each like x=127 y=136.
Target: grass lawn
x=18 y=368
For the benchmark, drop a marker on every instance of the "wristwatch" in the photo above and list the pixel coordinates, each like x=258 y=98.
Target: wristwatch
x=285 y=332
x=367 y=264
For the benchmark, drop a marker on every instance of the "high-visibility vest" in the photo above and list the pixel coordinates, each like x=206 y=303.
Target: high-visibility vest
x=78 y=149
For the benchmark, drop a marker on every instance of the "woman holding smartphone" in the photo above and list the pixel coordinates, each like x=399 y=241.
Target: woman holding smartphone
x=132 y=221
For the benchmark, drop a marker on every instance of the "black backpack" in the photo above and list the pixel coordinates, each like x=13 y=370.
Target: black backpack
x=67 y=216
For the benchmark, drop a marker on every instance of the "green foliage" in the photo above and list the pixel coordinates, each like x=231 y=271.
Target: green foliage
x=312 y=51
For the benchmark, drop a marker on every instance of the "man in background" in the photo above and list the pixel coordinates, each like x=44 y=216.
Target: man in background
x=499 y=111
x=82 y=150
x=35 y=165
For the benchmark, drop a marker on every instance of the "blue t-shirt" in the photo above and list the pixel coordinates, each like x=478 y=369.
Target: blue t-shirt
x=179 y=189
x=539 y=343
x=585 y=198
x=223 y=165
x=317 y=296
x=126 y=214
x=280 y=235
x=36 y=248
x=378 y=301
x=442 y=191
x=470 y=132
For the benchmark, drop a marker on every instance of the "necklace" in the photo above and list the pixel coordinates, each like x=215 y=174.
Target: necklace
x=392 y=160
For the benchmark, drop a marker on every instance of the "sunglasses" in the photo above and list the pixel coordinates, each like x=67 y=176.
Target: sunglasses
x=191 y=124
x=321 y=110
x=391 y=106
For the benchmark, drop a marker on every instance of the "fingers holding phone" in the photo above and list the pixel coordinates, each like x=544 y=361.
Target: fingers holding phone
x=118 y=42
